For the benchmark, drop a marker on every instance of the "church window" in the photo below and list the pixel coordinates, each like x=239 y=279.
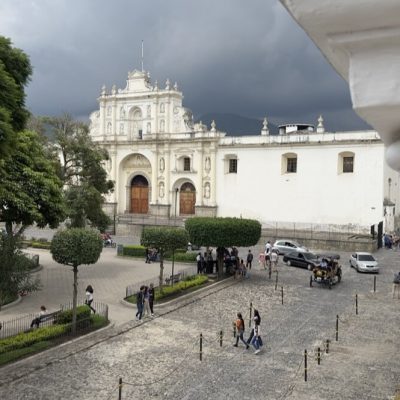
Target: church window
x=186 y=163
x=233 y=164
x=346 y=162
x=291 y=165
x=162 y=108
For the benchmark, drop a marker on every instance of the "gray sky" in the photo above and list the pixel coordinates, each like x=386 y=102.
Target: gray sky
x=230 y=56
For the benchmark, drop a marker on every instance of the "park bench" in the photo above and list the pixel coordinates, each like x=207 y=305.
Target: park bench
x=173 y=278
x=47 y=317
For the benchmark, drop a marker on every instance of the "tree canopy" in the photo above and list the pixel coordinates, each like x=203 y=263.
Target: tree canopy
x=82 y=172
x=223 y=232
x=164 y=238
x=76 y=246
x=30 y=190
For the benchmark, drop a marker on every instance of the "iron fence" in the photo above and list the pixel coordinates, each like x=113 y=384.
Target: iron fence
x=27 y=323
x=184 y=273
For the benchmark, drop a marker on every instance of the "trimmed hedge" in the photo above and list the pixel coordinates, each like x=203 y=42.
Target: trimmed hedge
x=26 y=339
x=183 y=257
x=134 y=251
x=36 y=244
x=12 y=347
x=65 y=317
x=187 y=283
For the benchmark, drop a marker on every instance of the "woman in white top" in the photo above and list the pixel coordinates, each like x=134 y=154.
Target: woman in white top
x=89 y=298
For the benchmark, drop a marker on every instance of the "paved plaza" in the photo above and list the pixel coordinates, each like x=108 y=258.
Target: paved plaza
x=160 y=358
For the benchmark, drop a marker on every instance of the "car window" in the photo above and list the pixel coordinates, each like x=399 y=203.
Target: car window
x=366 y=257
x=280 y=244
x=289 y=244
x=300 y=255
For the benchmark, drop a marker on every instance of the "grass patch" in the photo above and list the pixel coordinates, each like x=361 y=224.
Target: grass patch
x=185 y=286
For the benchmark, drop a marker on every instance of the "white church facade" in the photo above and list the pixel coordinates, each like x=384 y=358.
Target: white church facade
x=165 y=165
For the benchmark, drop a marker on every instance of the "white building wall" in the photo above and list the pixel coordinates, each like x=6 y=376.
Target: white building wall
x=316 y=194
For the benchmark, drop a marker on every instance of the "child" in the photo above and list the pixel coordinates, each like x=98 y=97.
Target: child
x=240 y=330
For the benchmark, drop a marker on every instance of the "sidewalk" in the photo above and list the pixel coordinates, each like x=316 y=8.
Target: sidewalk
x=109 y=278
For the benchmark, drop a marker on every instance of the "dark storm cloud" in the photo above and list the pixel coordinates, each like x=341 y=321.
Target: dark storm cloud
x=232 y=56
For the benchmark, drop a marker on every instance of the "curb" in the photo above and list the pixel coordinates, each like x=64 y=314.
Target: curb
x=14 y=303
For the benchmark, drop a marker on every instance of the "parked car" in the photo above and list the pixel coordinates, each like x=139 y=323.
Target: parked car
x=364 y=262
x=284 y=246
x=302 y=259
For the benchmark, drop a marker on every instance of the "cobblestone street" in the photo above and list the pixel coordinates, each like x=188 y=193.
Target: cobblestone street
x=160 y=358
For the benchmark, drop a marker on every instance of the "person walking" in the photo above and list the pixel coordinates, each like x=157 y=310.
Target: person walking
x=147 y=252
x=240 y=330
x=146 y=302
x=274 y=260
x=151 y=298
x=89 y=297
x=256 y=321
x=139 y=303
x=249 y=259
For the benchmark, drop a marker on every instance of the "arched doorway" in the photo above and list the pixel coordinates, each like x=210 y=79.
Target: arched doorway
x=139 y=195
x=187 y=199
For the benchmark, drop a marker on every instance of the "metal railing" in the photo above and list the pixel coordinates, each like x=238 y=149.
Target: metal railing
x=26 y=323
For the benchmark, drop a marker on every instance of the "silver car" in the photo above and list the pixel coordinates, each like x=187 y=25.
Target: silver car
x=284 y=246
x=364 y=262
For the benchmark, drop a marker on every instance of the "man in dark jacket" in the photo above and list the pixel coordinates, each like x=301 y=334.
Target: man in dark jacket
x=140 y=303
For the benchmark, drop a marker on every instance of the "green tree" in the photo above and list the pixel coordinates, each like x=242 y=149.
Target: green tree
x=74 y=247
x=81 y=170
x=222 y=233
x=15 y=71
x=30 y=192
x=164 y=239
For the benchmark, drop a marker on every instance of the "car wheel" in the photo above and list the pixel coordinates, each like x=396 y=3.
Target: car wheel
x=288 y=263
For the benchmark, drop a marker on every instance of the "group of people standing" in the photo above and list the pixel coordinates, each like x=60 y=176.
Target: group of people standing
x=205 y=263
x=255 y=334
x=145 y=301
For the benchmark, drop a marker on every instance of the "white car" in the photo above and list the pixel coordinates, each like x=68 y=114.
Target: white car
x=364 y=262
x=285 y=246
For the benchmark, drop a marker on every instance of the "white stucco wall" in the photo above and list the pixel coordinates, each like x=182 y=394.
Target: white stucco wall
x=316 y=194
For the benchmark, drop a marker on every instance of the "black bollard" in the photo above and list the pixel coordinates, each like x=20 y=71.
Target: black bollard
x=251 y=310
x=356 y=304
x=234 y=330
x=305 y=365
x=282 y=293
x=276 y=280
x=201 y=347
x=337 y=327
x=374 y=284
x=221 y=334
x=319 y=356
x=120 y=389
x=327 y=346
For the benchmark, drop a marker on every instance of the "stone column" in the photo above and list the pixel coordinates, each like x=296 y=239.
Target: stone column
x=154 y=170
x=102 y=117
x=213 y=175
x=200 y=174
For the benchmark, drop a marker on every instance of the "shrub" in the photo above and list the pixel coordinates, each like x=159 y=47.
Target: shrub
x=40 y=245
x=134 y=251
x=26 y=339
x=65 y=317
